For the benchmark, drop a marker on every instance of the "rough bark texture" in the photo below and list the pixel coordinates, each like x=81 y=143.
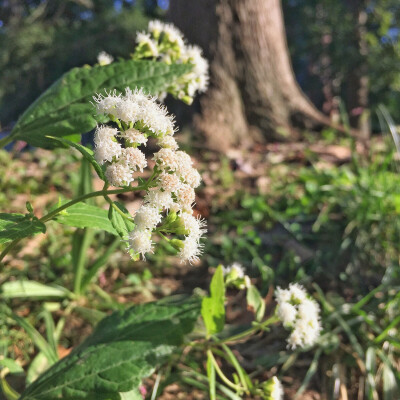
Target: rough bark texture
x=253 y=93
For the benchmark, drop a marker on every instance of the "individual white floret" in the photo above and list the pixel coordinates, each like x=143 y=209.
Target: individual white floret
x=157 y=120
x=134 y=158
x=199 y=76
x=308 y=309
x=237 y=268
x=282 y=295
x=174 y=35
x=167 y=141
x=144 y=39
x=159 y=199
x=119 y=174
x=186 y=196
x=140 y=242
x=169 y=182
x=156 y=27
x=183 y=159
x=277 y=389
x=287 y=313
x=195 y=226
x=128 y=111
x=191 y=249
x=104 y=58
x=104 y=133
x=191 y=176
x=147 y=217
x=106 y=104
x=107 y=150
x=166 y=158
x=297 y=292
x=134 y=136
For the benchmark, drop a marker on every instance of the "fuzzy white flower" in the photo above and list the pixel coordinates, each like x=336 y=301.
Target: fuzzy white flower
x=166 y=158
x=107 y=104
x=297 y=292
x=134 y=136
x=300 y=314
x=140 y=242
x=168 y=141
x=107 y=151
x=191 y=176
x=277 y=389
x=287 y=313
x=127 y=111
x=169 y=182
x=104 y=133
x=144 y=40
x=147 y=217
x=191 y=249
x=159 y=199
x=119 y=174
x=134 y=158
x=199 y=76
x=104 y=58
x=156 y=27
x=237 y=268
x=174 y=35
x=195 y=226
x=186 y=196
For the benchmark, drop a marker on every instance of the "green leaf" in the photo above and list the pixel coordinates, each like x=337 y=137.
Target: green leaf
x=390 y=387
x=124 y=348
x=64 y=109
x=255 y=302
x=31 y=290
x=82 y=215
x=212 y=307
x=86 y=152
x=122 y=225
x=12 y=365
x=18 y=226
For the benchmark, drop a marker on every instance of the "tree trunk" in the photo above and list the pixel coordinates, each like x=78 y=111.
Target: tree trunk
x=358 y=82
x=253 y=94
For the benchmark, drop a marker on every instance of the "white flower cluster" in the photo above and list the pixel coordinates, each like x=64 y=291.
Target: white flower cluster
x=235 y=268
x=171 y=187
x=300 y=314
x=166 y=43
x=104 y=58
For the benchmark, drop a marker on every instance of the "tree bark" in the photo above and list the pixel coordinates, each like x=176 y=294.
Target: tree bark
x=253 y=94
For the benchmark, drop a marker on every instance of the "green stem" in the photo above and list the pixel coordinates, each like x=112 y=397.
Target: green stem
x=117 y=209
x=249 y=331
x=221 y=374
x=53 y=213
x=86 y=239
x=8 y=139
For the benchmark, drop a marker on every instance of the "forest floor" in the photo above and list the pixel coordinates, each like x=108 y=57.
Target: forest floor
x=231 y=199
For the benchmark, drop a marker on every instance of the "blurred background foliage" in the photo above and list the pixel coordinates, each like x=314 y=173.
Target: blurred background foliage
x=40 y=40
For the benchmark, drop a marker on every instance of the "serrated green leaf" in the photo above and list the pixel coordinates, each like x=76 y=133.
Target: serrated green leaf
x=31 y=290
x=255 y=302
x=212 y=307
x=124 y=348
x=122 y=225
x=18 y=226
x=65 y=109
x=82 y=215
x=86 y=152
